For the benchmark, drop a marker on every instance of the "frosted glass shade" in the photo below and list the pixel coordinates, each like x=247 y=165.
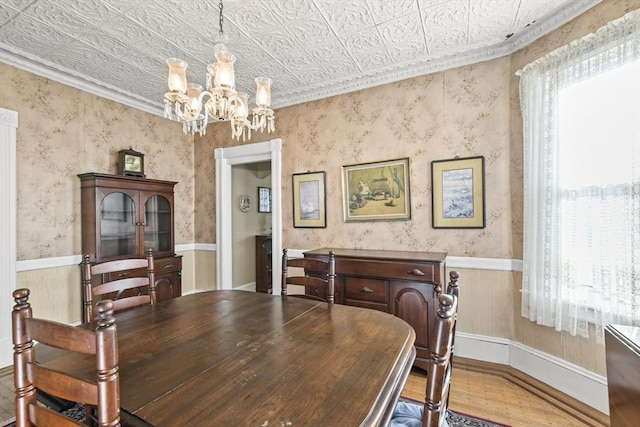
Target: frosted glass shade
x=177 y=76
x=224 y=75
x=263 y=92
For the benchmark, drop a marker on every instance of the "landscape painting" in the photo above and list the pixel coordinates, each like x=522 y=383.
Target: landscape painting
x=458 y=193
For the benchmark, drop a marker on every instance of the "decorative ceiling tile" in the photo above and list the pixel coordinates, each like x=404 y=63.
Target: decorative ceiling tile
x=20 y=4
x=384 y=10
x=92 y=11
x=6 y=14
x=62 y=20
x=288 y=10
x=310 y=48
x=487 y=15
x=124 y=5
x=404 y=38
x=365 y=45
x=32 y=37
x=531 y=10
x=347 y=17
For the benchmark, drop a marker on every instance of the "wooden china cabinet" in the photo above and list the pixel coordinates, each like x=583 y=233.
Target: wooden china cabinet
x=122 y=216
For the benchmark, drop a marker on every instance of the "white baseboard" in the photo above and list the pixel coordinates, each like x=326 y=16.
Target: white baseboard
x=577 y=382
x=247 y=287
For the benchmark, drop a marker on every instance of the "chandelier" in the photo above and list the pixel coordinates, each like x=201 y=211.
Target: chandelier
x=193 y=107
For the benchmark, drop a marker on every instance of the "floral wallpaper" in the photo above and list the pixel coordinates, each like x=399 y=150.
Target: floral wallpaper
x=461 y=112
x=63 y=132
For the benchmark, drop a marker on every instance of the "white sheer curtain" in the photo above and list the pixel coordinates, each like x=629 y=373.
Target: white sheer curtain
x=582 y=181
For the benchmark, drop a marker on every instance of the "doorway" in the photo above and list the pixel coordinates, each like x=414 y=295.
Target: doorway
x=251 y=225
x=8 y=243
x=225 y=159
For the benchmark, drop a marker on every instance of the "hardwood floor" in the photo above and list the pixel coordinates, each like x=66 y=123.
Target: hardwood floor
x=504 y=395
x=495 y=392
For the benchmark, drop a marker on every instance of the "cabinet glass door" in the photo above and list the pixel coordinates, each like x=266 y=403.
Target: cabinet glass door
x=117 y=226
x=157 y=224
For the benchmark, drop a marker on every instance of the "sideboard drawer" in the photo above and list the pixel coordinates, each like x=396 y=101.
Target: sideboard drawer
x=418 y=272
x=370 y=290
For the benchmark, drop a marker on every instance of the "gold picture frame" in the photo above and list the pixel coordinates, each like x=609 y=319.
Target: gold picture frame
x=309 y=200
x=458 y=193
x=376 y=191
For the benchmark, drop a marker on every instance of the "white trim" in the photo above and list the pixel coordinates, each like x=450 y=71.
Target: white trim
x=186 y=247
x=251 y=287
x=577 y=382
x=225 y=158
x=211 y=247
x=481 y=347
x=8 y=221
x=41 y=263
x=496 y=264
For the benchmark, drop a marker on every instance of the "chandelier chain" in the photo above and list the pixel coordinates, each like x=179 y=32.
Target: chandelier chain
x=220 y=6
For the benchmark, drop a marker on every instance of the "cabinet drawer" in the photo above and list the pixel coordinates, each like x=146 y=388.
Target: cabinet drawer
x=369 y=290
x=124 y=274
x=414 y=271
x=165 y=265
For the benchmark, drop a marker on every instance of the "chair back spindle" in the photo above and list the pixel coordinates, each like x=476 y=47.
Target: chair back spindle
x=103 y=391
x=117 y=283
x=318 y=280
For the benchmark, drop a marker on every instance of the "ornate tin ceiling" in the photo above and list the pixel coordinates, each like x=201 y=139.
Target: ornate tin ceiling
x=311 y=49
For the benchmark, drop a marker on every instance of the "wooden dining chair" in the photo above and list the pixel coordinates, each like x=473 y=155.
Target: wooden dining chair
x=103 y=392
x=433 y=412
x=318 y=280
x=118 y=283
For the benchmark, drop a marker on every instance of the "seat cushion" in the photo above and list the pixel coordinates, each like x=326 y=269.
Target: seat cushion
x=407 y=414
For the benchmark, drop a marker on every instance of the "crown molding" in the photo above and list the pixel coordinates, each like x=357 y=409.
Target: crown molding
x=400 y=71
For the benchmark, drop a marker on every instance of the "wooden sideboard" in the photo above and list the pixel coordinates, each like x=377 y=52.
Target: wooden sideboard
x=402 y=283
x=623 y=374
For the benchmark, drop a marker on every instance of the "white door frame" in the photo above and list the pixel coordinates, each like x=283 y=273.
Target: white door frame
x=226 y=158
x=8 y=242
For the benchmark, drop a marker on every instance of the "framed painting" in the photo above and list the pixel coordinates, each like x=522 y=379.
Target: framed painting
x=309 y=200
x=458 y=193
x=376 y=191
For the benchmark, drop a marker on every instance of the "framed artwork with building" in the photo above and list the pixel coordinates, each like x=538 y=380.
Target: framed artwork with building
x=376 y=191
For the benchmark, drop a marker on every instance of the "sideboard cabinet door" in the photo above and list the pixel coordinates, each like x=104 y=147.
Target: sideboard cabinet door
x=415 y=302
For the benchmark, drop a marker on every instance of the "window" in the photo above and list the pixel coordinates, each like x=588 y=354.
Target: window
x=581 y=121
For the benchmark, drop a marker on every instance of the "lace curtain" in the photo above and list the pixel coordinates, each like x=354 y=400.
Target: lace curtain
x=581 y=239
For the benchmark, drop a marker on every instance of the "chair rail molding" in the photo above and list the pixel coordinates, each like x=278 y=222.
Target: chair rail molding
x=8 y=243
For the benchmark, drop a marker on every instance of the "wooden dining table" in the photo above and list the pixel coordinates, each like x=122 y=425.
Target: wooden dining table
x=237 y=358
